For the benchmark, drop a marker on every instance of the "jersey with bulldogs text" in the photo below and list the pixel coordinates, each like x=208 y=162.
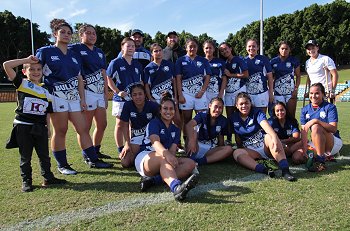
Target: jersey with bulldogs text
x=93 y=61
x=160 y=78
x=60 y=71
x=192 y=72
x=326 y=112
x=139 y=120
x=167 y=135
x=258 y=67
x=249 y=131
x=33 y=102
x=283 y=72
x=236 y=66
x=124 y=76
x=217 y=67
x=209 y=135
x=287 y=130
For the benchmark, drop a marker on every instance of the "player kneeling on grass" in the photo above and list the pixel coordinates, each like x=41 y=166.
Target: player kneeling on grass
x=250 y=125
x=321 y=118
x=30 y=129
x=158 y=162
x=205 y=143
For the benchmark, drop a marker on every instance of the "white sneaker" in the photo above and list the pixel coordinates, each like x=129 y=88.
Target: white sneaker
x=67 y=170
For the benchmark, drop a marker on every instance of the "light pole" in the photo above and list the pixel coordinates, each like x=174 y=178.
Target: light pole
x=261 y=28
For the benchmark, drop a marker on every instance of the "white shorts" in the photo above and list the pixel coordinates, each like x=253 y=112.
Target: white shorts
x=211 y=95
x=63 y=105
x=338 y=144
x=230 y=98
x=137 y=140
x=117 y=108
x=282 y=98
x=139 y=160
x=194 y=103
x=260 y=100
x=202 y=150
x=261 y=151
x=94 y=100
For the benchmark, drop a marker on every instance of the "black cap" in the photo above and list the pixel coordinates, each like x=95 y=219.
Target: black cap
x=172 y=33
x=135 y=31
x=311 y=42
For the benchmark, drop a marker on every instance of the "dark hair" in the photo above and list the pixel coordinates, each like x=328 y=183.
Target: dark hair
x=153 y=46
x=252 y=39
x=284 y=42
x=289 y=117
x=57 y=24
x=84 y=27
x=227 y=44
x=191 y=40
x=125 y=40
x=140 y=86
x=166 y=96
x=321 y=87
x=217 y=99
x=211 y=42
x=243 y=95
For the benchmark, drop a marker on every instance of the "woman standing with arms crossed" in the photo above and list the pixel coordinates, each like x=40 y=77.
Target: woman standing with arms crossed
x=95 y=78
x=61 y=70
x=158 y=161
x=256 y=139
x=236 y=73
x=123 y=73
x=192 y=78
x=284 y=68
x=260 y=80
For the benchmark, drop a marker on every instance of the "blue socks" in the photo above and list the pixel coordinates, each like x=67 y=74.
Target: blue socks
x=260 y=168
x=97 y=148
x=90 y=153
x=283 y=164
x=120 y=149
x=174 y=184
x=321 y=158
x=157 y=180
x=61 y=158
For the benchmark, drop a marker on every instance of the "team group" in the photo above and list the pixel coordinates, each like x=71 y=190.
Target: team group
x=155 y=93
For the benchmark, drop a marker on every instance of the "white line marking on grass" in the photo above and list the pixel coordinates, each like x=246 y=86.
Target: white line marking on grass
x=149 y=199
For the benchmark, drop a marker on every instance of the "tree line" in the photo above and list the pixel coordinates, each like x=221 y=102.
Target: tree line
x=329 y=24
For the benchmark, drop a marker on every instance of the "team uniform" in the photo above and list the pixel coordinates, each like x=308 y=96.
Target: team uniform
x=142 y=55
x=249 y=131
x=124 y=76
x=160 y=78
x=138 y=120
x=258 y=67
x=326 y=112
x=30 y=128
x=217 y=67
x=284 y=83
x=234 y=85
x=315 y=70
x=167 y=135
x=192 y=72
x=208 y=135
x=61 y=74
x=94 y=62
x=285 y=132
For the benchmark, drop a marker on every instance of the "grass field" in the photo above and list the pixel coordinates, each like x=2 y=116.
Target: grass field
x=228 y=196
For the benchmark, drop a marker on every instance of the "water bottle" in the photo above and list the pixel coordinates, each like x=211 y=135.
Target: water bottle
x=310 y=156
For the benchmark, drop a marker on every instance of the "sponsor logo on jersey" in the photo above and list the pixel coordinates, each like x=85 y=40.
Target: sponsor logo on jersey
x=323 y=114
x=199 y=63
x=184 y=63
x=218 y=129
x=133 y=114
x=55 y=58
x=166 y=68
x=274 y=65
x=257 y=62
x=236 y=124
x=307 y=116
x=276 y=129
x=34 y=106
x=83 y=53
x=151 y=71
x=250 y=122
x=162 y=131
x=74 y=60
x=136 y=71
x=100 y=55
x=173 y=135
x=149 y=116
x=289 y=132
x=234 y=65
x=288 y=64
x=122 y=68
x=138 y=132
x=30 y=85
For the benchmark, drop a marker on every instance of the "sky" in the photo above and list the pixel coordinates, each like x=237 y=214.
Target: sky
x=217 y=18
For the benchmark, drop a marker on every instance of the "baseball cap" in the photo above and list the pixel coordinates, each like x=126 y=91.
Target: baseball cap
x=134 y=31
x=311 y=42
x=172 y=33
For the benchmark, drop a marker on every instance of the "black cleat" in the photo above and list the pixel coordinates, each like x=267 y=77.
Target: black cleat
x=271 y=173
x=288 y=176
x=103 y=156
x=145 y=183
x=182 y=190
x=52 y=181
x=27 y=186
x=98 y=164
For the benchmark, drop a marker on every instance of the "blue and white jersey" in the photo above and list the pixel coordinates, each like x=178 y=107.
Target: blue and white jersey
x=209 y=134
x=258 y=67
x=160 y=78
x=283 y=72
x=236 y=66
x=124 y=76
x=139 y=120
x=326 y=112
x=217 y=67
x=60 y=71
x=142 y=55
x=249 y=131
x=94 y=61
x=167 y=135
x=285 y=132
x=193 y=72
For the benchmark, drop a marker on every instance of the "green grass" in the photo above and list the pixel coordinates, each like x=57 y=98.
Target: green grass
x=315 y=202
